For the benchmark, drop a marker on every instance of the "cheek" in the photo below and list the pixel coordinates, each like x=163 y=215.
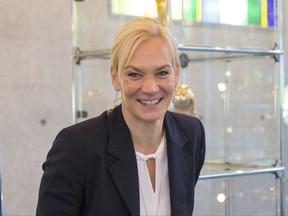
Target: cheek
x=129 y=88
x=174 y=82
x=169 y=86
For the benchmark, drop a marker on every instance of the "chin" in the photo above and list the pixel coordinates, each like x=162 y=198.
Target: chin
x=152 y=117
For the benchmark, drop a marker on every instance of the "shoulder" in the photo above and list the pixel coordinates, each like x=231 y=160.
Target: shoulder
x=183 y=127
x=184 y=121
x=87 y=127
x=190 y=127
x=83 y=136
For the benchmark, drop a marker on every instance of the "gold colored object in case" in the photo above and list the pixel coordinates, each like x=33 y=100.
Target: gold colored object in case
x=162 y=10
x=184 y=100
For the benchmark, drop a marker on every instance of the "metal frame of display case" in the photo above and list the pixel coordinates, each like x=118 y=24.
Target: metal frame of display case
x=215 y=169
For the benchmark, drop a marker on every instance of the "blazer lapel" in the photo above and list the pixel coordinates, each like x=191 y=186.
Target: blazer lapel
x=124 y=170
x=180 y=165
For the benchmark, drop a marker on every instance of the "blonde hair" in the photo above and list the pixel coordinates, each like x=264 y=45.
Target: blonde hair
x=132 y=35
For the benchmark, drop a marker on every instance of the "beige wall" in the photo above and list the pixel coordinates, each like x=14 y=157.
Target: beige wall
x=35 y=93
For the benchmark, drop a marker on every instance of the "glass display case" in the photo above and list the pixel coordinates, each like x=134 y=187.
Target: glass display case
x=233 y=69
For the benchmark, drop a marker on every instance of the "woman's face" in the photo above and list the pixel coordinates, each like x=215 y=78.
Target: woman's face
x=147 y=82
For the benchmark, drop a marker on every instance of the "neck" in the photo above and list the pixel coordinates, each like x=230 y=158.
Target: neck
x=146 y=137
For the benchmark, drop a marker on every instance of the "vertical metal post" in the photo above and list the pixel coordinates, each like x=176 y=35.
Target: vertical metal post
x=280 y=94
x=227 y=137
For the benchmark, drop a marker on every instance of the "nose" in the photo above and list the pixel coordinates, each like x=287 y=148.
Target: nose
x=150 y=85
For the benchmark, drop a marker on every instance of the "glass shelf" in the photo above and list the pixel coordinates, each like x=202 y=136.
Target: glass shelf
x=227 y=53
x=217 y=169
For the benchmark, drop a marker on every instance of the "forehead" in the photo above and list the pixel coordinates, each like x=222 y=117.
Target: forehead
x=155 y=47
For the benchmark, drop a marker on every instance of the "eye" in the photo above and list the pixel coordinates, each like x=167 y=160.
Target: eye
x=162 y=74
x=134 y=75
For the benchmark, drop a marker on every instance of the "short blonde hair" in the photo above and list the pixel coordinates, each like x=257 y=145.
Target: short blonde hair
x=132 y=35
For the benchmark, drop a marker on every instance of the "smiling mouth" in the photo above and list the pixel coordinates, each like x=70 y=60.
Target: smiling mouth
x=150 y=102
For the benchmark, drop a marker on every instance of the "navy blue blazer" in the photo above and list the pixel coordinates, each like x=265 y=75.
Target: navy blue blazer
x=91 y=168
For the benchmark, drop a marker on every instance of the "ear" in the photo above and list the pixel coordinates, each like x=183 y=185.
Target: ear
x=115 y=79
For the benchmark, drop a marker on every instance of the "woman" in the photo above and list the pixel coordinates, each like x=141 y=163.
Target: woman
x=139 y=158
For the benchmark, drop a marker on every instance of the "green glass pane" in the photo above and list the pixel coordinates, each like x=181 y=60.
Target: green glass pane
x=254 y=12
x=189 y=9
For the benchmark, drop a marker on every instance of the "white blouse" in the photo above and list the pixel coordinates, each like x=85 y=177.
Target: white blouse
x=158 y=202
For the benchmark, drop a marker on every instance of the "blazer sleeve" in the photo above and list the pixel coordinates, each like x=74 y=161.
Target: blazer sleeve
x=62 y=183
x=201 y=150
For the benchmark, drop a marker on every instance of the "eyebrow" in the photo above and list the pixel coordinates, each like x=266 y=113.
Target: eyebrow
x=139 y=69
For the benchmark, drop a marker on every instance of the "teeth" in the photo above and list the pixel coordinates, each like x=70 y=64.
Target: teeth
x=150 y=102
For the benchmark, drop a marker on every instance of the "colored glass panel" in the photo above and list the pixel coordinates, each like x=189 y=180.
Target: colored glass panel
x=270 y=13
x=264 y=13
x=198 y=10
x=189 y=9
x=254 y=12
x=233 y=12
